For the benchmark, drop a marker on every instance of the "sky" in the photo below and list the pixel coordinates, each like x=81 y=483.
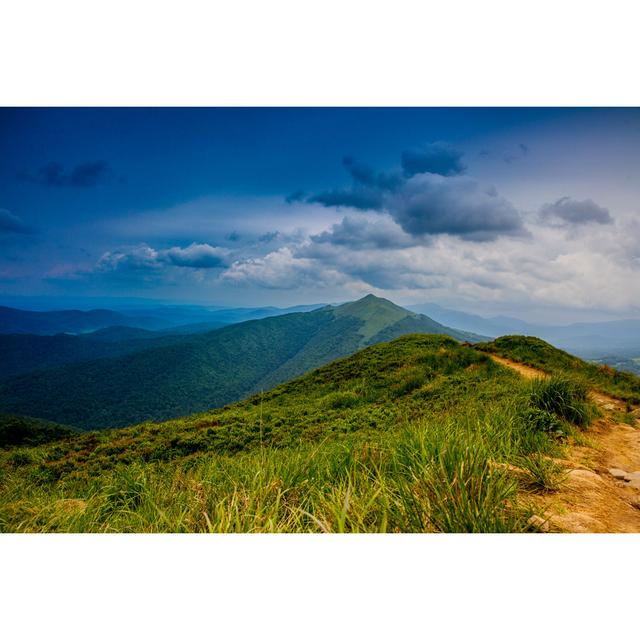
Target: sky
x=533 y=213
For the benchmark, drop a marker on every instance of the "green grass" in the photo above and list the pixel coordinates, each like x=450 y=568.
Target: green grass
x=415 y=435
x=542 y=355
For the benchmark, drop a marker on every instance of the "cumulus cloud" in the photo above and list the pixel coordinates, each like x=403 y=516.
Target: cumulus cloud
x=144 y=257
x=433 y=158
x=86 y=174
x=358 y=233
x=569 y=211
x=430 y=204
x=11 y=224
x=429 y=198
x=196 y=256
x=281 y=269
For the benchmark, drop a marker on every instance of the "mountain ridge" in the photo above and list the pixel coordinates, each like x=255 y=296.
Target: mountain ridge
x=212 y=369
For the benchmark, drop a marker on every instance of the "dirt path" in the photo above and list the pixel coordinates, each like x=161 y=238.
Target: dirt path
x=592 y=500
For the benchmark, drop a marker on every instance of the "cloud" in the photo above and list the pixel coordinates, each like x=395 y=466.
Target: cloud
x=87 y=174
x=296 y=196
x=363 y=198
x=570 y=211
x=431 y=199
x=282 y=269
x=195 y=256
x=434 y=158
x=430 y=204
x=363 y=174
x=11 y=224
x=358 y=233
x=522 y=150
x=145 y=258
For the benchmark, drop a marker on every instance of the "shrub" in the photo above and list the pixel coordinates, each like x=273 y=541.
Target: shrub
x=565 y=397
x=542 y=420
x=20 y=459
x=340 y=400
x=543 y=472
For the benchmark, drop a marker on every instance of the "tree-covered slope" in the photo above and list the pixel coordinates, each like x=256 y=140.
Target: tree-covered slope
x=22 y=353
x=198 y=372
x=25 y=431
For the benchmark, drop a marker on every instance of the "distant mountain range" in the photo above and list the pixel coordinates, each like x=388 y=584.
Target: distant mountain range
x=586 y=339
x=159 y=377
x=70 y=321
x=190 y=318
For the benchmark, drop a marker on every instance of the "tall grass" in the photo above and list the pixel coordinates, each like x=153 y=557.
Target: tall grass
x=430 y=475
x=565 y=397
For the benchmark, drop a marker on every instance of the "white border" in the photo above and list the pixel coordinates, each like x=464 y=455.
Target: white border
x=334 y=52
x=407 y=53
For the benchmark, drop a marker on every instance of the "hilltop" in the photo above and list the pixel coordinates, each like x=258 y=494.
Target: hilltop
x=417 y=434
x=187 y=374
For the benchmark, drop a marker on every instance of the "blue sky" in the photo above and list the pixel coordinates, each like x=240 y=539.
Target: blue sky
x=532 y=212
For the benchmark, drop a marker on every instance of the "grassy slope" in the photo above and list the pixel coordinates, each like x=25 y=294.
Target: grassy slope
x=542 y=355
x=195 y=373
x=402 y=436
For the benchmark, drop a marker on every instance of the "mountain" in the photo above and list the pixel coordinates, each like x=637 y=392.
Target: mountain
x=595 y=340
x=207 y=370
x=420 y=434
x=462 y=320
x=195 y=318
x=69 y=321
x=22 y=352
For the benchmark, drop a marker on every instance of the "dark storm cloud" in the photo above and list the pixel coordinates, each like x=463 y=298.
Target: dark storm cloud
x=572 y=211
x=430 y=200
x=296 y=196
x=431 y=205
x=363 y=198
x=87 y=174
x=363 y=174
x=11 y=224
x=434 y=158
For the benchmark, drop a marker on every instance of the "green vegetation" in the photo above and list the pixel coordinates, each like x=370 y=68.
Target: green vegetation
x=23 y=353
x=542 y=355
x=197 y=372
x=22 y=430
x=418 y=434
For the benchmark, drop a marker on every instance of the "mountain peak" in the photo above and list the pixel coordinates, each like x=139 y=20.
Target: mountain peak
x=373 y=301
x=375 y=313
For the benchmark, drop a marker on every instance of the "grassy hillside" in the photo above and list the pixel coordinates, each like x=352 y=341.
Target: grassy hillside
x=542 y=355
x=195 y=373
x=412 y=435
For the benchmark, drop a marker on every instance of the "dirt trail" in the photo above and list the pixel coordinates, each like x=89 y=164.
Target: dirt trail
x=592 y=500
